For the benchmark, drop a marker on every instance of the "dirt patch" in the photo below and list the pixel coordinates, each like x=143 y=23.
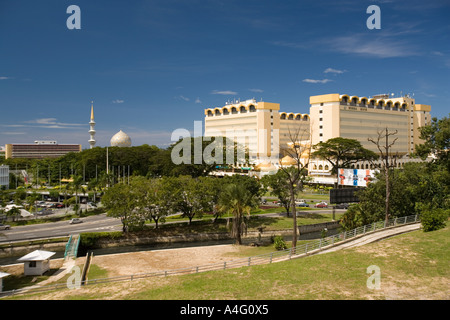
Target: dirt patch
x=162 y=260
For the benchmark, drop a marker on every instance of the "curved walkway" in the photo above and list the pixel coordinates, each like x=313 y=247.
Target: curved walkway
x=372 y=237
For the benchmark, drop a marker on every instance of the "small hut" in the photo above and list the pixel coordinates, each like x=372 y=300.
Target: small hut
x=2 y=275
x=36 y=263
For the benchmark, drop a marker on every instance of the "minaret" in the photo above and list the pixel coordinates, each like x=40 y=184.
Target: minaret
x=92 y=124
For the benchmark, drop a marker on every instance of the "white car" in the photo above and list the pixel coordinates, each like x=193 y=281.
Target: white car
x=4 y=226
x=75 y=221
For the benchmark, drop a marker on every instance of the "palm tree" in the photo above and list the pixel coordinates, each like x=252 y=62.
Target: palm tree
x=238 y=201
x=77 y=185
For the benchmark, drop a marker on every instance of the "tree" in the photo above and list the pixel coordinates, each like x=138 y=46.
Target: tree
x=191 y=197
x=436 y=138
x=212 y=190
x=238 y=201
x=153 y=198
x=165 y=198
x=415 y=188
x=279 y=186
x=342 y=153
x=299 y=151
x=199 y=157
x=384 y=146
x=119 y=204
x=77 y=185
x=14 y=212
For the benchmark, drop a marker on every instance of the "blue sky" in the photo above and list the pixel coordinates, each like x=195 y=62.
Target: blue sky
x=154 y=66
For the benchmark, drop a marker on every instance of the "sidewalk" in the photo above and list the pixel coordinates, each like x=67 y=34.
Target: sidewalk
x=368 y=238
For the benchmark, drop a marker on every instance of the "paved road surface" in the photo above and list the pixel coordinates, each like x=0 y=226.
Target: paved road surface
x=96 y=223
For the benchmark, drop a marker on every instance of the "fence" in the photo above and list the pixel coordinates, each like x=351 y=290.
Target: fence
x=308 y=248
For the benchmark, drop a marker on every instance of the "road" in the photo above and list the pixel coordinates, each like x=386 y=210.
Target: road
x=96 y=223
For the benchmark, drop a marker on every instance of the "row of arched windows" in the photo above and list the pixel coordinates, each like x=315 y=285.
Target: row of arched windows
x=292 y=116
x=373 y=102
x=230 y=110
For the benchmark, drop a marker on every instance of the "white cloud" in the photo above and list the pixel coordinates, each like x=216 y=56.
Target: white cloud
x=184 y=98
x=316 y=81
x=118 y=101
x=225 y=92
x=331 y=70
x=4 y=78
x=12 y=133
x=378 y=47
x=437 y=53
x=256 y=90
x=48 y=123
x=198 y=100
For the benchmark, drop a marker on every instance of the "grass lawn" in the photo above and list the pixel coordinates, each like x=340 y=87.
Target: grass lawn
x=412 y=265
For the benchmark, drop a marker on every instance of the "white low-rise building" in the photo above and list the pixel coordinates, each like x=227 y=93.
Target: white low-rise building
x=36 y=263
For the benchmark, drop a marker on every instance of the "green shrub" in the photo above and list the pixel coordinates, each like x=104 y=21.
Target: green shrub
x=279 y=243
x=433 y=219
x=89 y=240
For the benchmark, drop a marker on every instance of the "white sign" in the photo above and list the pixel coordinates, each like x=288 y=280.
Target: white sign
x=355 y=177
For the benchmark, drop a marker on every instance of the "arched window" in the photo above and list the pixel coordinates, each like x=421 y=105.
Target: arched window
x=320 y=167
x=210 y=114
x=291 y=117
x=298 y=117
x=315 y=167
x=242 y=109
x=217 y=112
x=283 y=116
x=327 y=167
x=355 y=100
x=234 y=110
x=305 y=117
x=252 y=108
x=364 y=101
x=225 y=111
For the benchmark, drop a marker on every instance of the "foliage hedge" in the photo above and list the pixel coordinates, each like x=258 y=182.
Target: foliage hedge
x=434 y=219
x=90 y=240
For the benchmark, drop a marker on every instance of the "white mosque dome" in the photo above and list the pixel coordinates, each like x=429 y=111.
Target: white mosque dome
x=121 y=139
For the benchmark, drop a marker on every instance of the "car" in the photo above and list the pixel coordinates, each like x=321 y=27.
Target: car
x=321 y=205
x=45 y=212
x=342 y=206
x=302 y=204
x=4 y=226
x=59 y=205
x=75 y=221
x=40 y=204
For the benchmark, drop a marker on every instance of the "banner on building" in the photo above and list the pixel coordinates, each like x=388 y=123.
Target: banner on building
x=356 y=177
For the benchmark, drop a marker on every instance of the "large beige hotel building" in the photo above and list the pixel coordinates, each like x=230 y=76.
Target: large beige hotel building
x=266 y=131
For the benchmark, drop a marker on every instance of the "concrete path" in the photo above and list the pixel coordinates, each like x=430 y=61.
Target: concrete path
x=376 y=236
